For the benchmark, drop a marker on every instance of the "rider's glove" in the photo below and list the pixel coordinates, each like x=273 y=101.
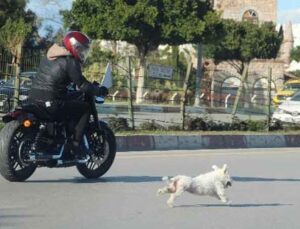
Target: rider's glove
x=102 y=91
x=95 y=83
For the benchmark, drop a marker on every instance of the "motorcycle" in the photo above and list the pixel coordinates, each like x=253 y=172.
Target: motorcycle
x=30 y=139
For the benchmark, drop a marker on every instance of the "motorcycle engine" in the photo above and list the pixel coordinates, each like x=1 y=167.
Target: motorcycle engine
x=45 y=140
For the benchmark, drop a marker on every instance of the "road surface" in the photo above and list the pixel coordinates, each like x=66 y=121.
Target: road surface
x=265 y=193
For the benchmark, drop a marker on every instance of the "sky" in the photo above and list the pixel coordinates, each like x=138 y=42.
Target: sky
x=288 y=10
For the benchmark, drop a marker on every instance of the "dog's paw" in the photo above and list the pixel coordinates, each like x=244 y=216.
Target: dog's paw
x=229 y=202
x=170 y=204
x=224 y=200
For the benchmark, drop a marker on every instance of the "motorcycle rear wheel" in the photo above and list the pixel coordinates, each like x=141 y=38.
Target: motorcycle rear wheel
x=103 y=151
x=13 y=139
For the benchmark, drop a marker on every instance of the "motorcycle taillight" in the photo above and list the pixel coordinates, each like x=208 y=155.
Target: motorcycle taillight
x=27 y=123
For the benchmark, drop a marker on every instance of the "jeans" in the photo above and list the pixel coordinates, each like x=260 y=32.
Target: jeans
x=74 y=111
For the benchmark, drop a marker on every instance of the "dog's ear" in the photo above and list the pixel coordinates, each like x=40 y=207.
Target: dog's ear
x=214 y=167
x=225 y=167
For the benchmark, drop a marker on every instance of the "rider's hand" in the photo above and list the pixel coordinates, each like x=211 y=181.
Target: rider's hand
x=102 y=91
x=96 y=83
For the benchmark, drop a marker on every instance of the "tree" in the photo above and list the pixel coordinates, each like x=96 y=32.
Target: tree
x=295 y=54
x=15 y=9
x=243 y=42
x=144 y=23
x=13 y=35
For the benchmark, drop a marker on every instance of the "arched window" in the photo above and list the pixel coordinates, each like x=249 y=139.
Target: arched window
x=229 y=90
x=260 y=91
x=251 y=16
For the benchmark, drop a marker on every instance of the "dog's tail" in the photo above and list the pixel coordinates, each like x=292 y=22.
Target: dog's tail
x=165 y=178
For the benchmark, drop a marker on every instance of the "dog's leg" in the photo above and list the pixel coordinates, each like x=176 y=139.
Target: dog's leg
x=174 y=195
x=221 y=195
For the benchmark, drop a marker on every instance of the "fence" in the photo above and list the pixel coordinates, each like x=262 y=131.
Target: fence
x=162 y=97
x=29 y=62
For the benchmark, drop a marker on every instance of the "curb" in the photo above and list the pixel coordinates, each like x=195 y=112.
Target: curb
x=173 y=142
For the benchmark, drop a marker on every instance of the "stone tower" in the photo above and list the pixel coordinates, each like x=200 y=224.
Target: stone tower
x=256 y=11
x=250 y=10
x=287 y=44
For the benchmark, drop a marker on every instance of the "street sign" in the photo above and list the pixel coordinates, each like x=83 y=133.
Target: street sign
x=160 y=71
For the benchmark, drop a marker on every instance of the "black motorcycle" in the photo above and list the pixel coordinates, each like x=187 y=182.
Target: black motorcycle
x=31 y=139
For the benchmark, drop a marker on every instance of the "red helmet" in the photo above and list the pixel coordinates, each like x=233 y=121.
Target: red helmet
x=78 y=44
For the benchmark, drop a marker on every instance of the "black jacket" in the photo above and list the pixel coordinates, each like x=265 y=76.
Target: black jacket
x=55 y=74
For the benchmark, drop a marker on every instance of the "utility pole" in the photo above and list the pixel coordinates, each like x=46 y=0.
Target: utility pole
x=240 y=89
x=17 y=72
x=129 y=88
x=198 y=74
x=185 y=88
x=269 y=98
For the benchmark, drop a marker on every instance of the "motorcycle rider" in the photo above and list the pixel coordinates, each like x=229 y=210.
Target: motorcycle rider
x=60 y=67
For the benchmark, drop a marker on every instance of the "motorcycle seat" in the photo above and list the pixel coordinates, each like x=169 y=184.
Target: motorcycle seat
x=39 y=111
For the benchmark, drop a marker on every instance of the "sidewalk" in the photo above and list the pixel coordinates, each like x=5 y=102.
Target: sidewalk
x=172 y=142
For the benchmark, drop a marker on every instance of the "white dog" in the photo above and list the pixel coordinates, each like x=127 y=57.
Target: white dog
x=212 y=184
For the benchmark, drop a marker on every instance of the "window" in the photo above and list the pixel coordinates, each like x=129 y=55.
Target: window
x=251 y=16
x=296 y=97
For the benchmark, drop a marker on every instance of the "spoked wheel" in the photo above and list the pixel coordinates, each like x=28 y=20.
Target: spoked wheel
x=15 y=141
x=103 y=150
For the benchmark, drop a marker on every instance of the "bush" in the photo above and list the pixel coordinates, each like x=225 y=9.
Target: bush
x=218 y=126
x=277 y=125
x=118 y=124
x=196 y=124
x=235 y=125
x=174 y=128
x=256 y=125
x=238 y=125
x=151 y=126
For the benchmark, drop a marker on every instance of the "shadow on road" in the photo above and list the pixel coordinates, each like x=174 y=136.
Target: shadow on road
x=147 y=179
x=9 y=217
x=111 y=179
x=262 y=179
x=236 y=205
x=132 y=179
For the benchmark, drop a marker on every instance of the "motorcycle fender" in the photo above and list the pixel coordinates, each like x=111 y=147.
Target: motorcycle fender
x=102 y=123
x=17 y=115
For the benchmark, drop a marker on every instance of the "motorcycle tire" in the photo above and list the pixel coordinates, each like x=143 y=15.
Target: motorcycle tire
x=11 y=166
x=106 y=160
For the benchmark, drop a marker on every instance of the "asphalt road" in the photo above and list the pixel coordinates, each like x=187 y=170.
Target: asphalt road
x=265 y=193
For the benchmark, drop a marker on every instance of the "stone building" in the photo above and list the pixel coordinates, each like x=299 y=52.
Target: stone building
x=251 y=10
x=226 y=80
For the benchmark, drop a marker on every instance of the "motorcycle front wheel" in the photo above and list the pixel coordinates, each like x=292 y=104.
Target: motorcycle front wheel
x=102 y=146
x=15 y=141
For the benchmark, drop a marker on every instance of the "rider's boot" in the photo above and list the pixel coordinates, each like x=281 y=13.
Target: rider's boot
x=80 y=151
